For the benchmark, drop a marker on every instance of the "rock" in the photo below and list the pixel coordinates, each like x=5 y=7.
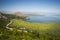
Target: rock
x=20 y=14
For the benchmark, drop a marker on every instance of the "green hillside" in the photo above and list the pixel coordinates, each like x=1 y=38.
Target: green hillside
x=39 y=31
x=36 y=26
x=14 y=28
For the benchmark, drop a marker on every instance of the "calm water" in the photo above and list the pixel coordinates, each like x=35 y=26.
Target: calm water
x=51 y=18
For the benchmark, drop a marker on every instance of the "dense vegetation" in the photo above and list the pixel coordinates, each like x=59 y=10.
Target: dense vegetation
x=22 y=30
x=50 y=31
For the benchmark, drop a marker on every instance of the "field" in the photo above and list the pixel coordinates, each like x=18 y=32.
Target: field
x=37 y=31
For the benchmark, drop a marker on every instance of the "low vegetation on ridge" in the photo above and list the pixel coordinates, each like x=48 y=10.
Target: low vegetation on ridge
x=45 y=29
x=18 y=29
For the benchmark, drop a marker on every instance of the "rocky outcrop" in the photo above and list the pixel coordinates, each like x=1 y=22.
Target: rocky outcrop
x=22 y=15
x=3 y=17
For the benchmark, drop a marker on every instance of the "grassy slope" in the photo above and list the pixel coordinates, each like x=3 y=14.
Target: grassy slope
x=41 y=31
x=6 y=34
x=37 y=26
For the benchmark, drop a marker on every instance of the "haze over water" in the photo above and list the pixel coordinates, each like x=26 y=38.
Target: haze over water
x=49 y=8
x=46 y=18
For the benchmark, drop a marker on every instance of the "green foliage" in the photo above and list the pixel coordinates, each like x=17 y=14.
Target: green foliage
x=23 y=30
x=36 y=26
x=40 y=31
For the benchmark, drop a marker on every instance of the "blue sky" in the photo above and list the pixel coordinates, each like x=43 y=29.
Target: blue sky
x=52 y=6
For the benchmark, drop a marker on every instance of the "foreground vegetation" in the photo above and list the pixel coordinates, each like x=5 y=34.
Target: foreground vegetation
x=22 y=30
x=37 y=31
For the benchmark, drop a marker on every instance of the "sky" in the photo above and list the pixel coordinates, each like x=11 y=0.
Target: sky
x=52 y=6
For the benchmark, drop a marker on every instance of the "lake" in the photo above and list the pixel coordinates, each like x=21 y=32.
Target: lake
x=47 y=18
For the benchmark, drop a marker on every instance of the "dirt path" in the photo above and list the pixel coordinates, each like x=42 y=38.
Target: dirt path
x=22 y=29
x=9 y=24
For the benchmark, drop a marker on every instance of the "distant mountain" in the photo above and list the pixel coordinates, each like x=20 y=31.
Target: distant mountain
x=32 y=14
